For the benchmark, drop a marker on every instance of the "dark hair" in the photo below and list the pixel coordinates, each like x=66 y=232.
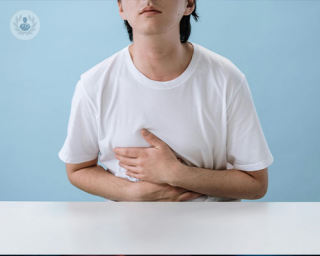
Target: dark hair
x=185 y=25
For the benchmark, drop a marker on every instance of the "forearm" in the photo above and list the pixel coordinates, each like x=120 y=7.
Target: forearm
x=98 y=181
x=231 y=183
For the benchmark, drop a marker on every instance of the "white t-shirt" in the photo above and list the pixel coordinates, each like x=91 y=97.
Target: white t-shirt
x=206 y=115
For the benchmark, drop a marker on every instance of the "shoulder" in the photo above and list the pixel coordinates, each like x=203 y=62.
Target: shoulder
x=93 y=80
x=95 y=74
x=97 y=70
x=224 y=69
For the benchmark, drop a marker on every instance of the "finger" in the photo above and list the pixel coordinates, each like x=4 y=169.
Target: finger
x=181 y=197
x=128 y=151
x=127 y=160
x=134 y=175
x=188 y=196
x=129 y=168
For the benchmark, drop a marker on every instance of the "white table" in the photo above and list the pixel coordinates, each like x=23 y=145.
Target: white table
x=159 y=228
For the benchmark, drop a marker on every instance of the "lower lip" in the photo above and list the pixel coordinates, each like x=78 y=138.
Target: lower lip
x=150 y=13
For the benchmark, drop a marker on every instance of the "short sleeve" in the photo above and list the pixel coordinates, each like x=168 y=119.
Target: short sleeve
x=247 y=148
x=81 y=143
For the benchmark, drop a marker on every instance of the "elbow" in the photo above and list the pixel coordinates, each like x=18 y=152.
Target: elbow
x=71 y=178
x=262 y=192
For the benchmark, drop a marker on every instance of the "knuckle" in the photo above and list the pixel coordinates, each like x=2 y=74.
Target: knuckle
x=139 y=171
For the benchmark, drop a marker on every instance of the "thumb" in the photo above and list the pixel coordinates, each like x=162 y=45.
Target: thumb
x=151 y=138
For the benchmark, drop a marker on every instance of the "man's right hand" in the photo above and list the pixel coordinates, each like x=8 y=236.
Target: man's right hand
x=147 y=191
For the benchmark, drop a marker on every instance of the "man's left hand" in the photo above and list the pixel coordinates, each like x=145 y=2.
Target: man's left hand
x=154 y=164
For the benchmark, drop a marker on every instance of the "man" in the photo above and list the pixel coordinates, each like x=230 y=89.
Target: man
x=194 y=103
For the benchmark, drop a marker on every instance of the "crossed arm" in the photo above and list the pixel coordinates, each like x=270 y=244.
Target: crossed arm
x=230 y=183
x=159 y=165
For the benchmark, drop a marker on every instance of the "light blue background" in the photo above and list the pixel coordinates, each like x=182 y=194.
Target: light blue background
x=274 y=43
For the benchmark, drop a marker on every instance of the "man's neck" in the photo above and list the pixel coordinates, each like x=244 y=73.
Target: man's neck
x=161 y=64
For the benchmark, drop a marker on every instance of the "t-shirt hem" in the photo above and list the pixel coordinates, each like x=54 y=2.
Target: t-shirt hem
x=256 y=166
x=75 y=159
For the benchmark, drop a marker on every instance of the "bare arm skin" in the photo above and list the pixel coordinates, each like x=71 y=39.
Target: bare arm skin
x=230 y=183
x=94 y=179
